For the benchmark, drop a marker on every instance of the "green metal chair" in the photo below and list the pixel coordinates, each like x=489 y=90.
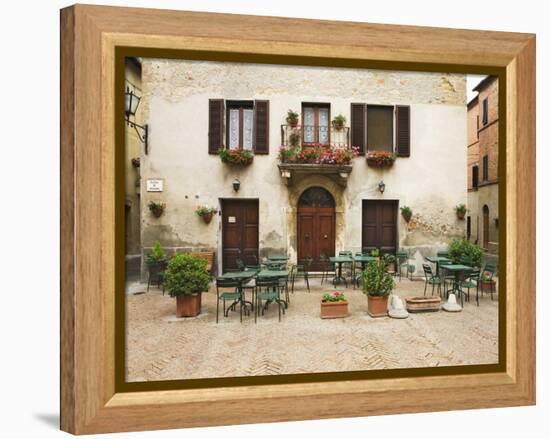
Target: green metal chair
x=431 y=279
x=234 y=296
x=267 y=290
x=489 y=272
x=471 y=281
x=328 y=267
x=443 y=254
x=401 y=260
x=302 y=270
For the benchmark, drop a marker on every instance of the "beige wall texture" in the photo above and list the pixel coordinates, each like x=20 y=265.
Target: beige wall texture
x=133 y=150
x=487 y=144
x=175 y=103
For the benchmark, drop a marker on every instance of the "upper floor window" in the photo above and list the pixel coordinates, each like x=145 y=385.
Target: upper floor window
x=315 y=124
x=485 y=111
x=485 y=168
x=380 y=128
x=475 y=176
x=240 y=124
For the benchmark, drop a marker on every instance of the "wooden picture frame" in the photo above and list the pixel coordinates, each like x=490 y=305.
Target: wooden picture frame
x=91 y=401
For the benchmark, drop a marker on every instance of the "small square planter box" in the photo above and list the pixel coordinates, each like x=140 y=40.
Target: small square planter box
x=423 y=304
x=334 y=310
x=488 y=286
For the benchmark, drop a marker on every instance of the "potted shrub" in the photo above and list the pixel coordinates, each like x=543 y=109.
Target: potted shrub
x=462 y=249
x=338 y=122
x=334 y=305
x=377 y=285
x=156 y=263
x=487 y=284
x=375 y=253
x=406 y=212
x=185 y=279
x=380 y=159
x=242 y=157
x=157 y=209
x=292 y=118
x=461 y=211
x=390 y=262
x=206 y=213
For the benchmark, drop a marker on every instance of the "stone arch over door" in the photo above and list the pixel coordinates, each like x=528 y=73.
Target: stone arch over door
x=294 y=193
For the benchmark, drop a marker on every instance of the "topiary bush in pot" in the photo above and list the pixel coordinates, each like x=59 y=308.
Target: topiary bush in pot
x=377 y=285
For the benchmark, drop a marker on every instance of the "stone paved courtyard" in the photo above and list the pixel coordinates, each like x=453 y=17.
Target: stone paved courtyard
x=162 y=347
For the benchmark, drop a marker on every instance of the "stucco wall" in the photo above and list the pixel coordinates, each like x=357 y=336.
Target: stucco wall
x=175 y=104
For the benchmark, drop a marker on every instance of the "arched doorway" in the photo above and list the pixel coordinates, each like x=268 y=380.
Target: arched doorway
x=485 y=226
x=316 y=225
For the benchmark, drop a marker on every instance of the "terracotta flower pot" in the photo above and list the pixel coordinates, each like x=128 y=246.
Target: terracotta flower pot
x=377 y=306
x=292 y=122
x=460 y=215
x=334 y=310
x=157 y=213
x=488 y=285
x=188 y=305
x=422 y=303
x=406 y=216
x=207 y=217
x=391 y=267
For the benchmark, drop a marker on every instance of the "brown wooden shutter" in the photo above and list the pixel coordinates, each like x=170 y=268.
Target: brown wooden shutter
x=358 y=127
x=261 y=127
x=216 y=110
x=403 y=130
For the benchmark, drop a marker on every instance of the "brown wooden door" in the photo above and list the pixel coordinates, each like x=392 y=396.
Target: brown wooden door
x=316 y=226
x=380 y=225
x=485 y=226
x=239 y=232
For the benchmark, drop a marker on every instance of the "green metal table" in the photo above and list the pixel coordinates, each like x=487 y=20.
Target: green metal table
x=340 y=260
x=437 y=260
x=456 y=269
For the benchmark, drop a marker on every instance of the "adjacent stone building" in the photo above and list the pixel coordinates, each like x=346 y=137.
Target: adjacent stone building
x=483 y=127
x=194 y=108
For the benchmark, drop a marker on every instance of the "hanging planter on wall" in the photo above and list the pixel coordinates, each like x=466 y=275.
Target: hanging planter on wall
x=461 y=211
x=380 y=159
x=157 y=209
x=206 y=213
x=406 y=212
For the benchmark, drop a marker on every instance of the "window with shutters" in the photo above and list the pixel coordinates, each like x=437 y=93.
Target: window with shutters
x=485 y=111
x=475 y=176
x=240 y=124
x=316 y=124
x=380 y=128
x=485 y=168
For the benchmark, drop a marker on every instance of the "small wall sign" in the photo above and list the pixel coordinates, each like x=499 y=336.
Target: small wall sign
x=231 y=219
x=155 y=185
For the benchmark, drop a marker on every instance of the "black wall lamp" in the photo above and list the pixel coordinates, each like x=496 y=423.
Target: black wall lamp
x=381 y=186
x=132 y=103
x=236 y=185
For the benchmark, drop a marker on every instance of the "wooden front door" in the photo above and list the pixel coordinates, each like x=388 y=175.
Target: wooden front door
x=485 y=227
x=239 y=232
x=316 y=226
x=380 y=225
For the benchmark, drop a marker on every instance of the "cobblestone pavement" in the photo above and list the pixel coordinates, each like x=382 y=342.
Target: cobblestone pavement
x=162 y=347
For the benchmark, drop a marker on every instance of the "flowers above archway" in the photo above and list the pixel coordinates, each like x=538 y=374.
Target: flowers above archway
x=337 y=155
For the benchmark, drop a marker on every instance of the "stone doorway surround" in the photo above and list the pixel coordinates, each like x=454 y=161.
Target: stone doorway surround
x=294 y=193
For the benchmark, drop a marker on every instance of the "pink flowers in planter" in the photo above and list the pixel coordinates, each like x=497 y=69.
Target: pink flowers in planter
x=380 y=159
x=322 y=155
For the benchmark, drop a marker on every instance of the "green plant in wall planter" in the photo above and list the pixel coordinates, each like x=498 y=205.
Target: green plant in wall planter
x=406 y=212
x=206 y=213
x=378 y=284
x=292 y=118
x=461 y=211
x=339 y=122
x=241 y=157
x=186 y=279
x=157 y=209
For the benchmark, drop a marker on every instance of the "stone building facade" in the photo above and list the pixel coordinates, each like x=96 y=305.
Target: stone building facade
x=296 y=209
x=483 y=127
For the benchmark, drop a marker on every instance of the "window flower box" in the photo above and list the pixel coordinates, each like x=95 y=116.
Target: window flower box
x=380 y=159
x=242 y=157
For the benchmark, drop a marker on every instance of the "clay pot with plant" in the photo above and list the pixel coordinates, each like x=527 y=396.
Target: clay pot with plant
x=292 y=118
x=461 y=211
x=334 y=305
x=390 y=262
x=339 y=122
x=156 y=261
x=406 y=213
x=186 y=279
x=377 y=285
x=206 y=213
x=157 y=209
